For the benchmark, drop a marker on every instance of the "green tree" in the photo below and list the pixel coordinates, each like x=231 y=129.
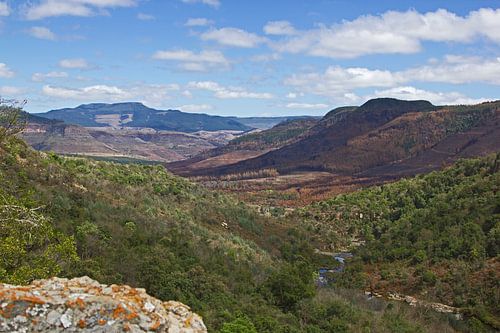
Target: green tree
x=12 y=118
x=238 y=325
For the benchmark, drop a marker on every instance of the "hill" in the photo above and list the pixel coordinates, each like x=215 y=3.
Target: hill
x=264 y=123
x=435 y=237
x=246 y=146
x=138 y=115
x=129 y=143
x=383 y=137
x=139 y=225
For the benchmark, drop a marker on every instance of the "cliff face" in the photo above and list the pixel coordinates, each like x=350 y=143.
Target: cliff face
x=84 y=305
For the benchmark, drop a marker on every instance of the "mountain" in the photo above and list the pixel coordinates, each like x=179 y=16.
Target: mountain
x=247 y=146
x=108 y=142
x=268 y=122
x=138 y=115
x=383 y=137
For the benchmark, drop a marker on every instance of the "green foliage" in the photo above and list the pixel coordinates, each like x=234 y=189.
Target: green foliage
x=142 y=226
x=439 y=230
x=239 y=325
x=30 y=248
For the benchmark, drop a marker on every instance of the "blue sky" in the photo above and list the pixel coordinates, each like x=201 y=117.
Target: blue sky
x=247 y=58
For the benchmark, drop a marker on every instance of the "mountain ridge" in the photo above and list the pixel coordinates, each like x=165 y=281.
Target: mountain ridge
x=381 y=132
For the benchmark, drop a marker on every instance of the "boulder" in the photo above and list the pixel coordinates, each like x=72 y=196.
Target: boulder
x=85 y=305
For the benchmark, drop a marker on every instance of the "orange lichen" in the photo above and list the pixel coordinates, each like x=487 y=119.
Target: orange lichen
x=131 y=316
x=81 y=303
x=102 y=322
x=187 y=323
x=120 y=310
x=155 y=326
x=82 y=323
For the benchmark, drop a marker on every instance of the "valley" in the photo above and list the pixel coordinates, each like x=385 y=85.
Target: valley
x=216 y=166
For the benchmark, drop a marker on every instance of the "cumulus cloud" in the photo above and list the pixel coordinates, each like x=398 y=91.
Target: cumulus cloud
x=198 y=22
x=213 y=3
x=338 y=82
x=192 y=61
x=391 y=32
x=279 y=28
x=437 y=98
x=77 y=63
x=266 y=57
x=42 y=33
x=7 y=91
x=456 y=69
x=233 y=37
x=195 y=107
x=5 y=71
x=40 y=77
x=222 y=92
x=4 y=9
x=151 y=94
x=307 y=106
x=145 y=17
x=50 y=8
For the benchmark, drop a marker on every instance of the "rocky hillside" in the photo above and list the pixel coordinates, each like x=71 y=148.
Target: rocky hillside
x=84 y=305
x=144 y=144
x=384 y=137
x=247 y=146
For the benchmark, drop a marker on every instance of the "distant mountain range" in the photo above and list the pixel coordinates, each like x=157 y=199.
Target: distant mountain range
x=132 y=130
x=383 y=137
x=137 y=115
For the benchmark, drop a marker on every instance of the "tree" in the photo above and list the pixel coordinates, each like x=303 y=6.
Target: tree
x=12 y=118
x=239 y=325
x=30 y=248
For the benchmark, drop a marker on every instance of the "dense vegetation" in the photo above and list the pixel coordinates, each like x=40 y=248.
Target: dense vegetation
x=140 y=225
x=436 y=236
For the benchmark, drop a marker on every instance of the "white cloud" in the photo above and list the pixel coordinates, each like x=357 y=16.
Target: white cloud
x=150 y=94
x=338 y=82
x=213 y=3
x=145 y=17
x=40 y=77
x=50 y=8
x=233 y=37
x=195 y=107
x=77 y=63
x=279 y=28
x=4 y=9
x=192 y=61
x=198 y=22
x=391 y=32
x=307 y=106
x=7 y=91
x=222 y=92
x=437 y=98
x=5 y=71
x=266 y=57
x=457 y=69
x=42 y=33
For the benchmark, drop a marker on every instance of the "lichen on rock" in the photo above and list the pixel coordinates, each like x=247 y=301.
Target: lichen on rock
x=85 y=305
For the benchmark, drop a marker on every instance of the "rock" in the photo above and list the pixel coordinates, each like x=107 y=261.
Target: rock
x=84 y=305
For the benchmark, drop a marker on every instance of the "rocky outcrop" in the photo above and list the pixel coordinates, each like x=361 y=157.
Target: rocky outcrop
x=84 y=305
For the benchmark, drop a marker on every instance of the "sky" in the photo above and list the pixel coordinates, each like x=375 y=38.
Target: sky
x=248 y=58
